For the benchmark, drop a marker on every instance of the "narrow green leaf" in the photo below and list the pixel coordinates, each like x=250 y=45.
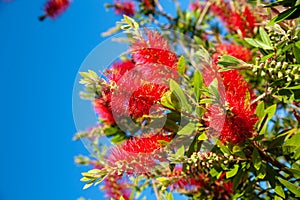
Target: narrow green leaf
x=86 y=186
x=202 y=136
x=296 y=172
x=297 y=87
x=264 y=36
x=181 y=65
x=290 y=186
x=229 y=61
x=260 y=109
x=187 y=129
x=198 y=84
x=180 y=151
x=296 y=51
x=278 y=190
x=258 y=44
x=175 y=87
x=233 y=171
x=282 y=16
x=256 y=159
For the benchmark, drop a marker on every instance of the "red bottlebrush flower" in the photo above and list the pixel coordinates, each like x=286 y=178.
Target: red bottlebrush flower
x=195 y=5
x=196 y=183
x=237 y=51
x=139 y=154
x=144 y=98
x=118 y=70
x=240 y=118
x=54 y=8
x=148 y=4
x=125 y=7
x=104 y=111
x=102 y=105
x=115 y=187
x=154 y=50
x=242 y=22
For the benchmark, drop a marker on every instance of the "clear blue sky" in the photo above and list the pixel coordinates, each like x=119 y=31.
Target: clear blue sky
x=39 y=63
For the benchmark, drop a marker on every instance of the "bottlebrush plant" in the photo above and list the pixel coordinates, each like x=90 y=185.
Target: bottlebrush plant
x=206 y=104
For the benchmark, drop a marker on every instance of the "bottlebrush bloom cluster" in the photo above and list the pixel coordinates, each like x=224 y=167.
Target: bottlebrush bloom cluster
x=54 y=8
x=235 y=20
x=138 y=154
x=116 y=187
x=195 y=183
x=133 y=87
x=195 y=5
x=124 y=8
x=240 y=118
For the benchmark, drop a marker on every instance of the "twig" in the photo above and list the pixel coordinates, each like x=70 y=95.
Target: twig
x=269 y=91
x=204 y=11
x=155 y=190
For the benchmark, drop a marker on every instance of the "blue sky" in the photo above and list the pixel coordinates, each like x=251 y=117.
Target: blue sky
x=39 y=63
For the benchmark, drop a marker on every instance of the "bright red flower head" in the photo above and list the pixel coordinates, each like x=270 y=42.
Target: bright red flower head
x=199 y=182
x=195 y=5
x=236 y=93
x=242 y=22
x=54 y=8
x=155 y=49
x=124 y=8
x=115 y=187
x=144 y=98
x=237 y=51
x=119 y=69
x=138 y=154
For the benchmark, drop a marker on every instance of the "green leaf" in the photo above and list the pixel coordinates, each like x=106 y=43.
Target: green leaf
x=258 y=44
x=297 y=87
x=181 y=65
x=129 y=22
x=198 y=84
x=175 y=88
x=260 y=109
x=256 y=159
x=202 y=136
x=282 y=16
x=86 y=186
x=121 y=198
x=278 y=190
x=187 y=129
x=233 y=171
x=268 y=114
x=296 y=172
x=262 y=172
x=229 y=61
x=296 y=51
x=290 y=186
x=169 y=196
x=264 y=36
x=180 y=151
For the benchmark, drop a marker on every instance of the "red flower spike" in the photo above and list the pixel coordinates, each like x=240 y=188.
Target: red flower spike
x=200 y=182
x=148 y=4
x=118 y=70
x=124 y=8
x=195 y=5
x=242 y=22
x=139 y=154
x=144 y=98
x=115 y=187
x=54 y=8
x=154 y=50
x=240 y=118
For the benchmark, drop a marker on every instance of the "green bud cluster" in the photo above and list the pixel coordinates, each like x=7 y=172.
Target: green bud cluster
x=273 y=71
x=204 y=162
x=279 y=36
